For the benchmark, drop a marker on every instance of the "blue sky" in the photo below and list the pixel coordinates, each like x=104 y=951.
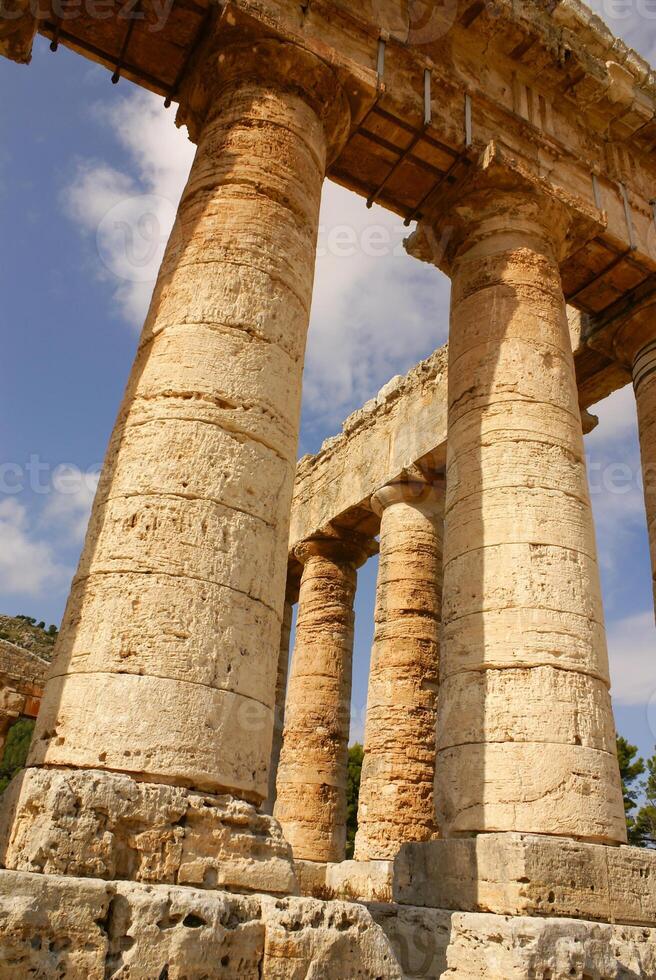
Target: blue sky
x=81 y=163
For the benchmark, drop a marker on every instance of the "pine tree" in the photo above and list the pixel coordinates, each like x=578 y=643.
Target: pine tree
x=355 y=757
x=16 y=748
x=645 y=821
x=631 y=768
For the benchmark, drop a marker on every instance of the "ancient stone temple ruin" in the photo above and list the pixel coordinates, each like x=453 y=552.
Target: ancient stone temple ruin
x=168 y=823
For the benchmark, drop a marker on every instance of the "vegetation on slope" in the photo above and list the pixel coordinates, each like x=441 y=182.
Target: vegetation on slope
x=25 y=632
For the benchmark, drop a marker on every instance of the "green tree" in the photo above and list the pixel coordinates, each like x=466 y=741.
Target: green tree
x=15 y=753
x=355 y=757
x=631 y=768
x=645 y=820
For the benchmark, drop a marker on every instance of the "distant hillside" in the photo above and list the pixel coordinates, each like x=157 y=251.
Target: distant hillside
x=25 y=632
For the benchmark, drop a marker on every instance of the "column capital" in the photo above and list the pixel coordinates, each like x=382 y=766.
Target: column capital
x=421 y=495
x=235 y=54
x=341 y=546
x=498 y=195
x=17 y=31
x=636 y=331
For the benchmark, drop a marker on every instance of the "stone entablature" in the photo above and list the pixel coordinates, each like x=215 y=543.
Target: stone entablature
x=402 y=428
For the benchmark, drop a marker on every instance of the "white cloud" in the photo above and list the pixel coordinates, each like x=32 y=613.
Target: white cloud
x=375 y=311
x=66 y=512
x=615 y=477
x=27 y=566
x=632 y=20
x=632 y=652
x=130 y=215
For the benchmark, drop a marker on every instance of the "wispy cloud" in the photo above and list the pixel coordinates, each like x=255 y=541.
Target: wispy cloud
x=28 y=564
x=128 y=216
x=632 y=652
x=68 y=506
x=375 y=311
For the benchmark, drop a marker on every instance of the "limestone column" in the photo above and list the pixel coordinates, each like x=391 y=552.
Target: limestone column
x=396 y=789
x=526 y=740
x=291 y=598
x=167 y=657
x=635 y=347
x=311 y=800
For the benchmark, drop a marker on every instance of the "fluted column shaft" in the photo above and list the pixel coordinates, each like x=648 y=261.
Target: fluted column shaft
x=166 y=662
x=526 y=740
x=396 y=802
x=311 y=789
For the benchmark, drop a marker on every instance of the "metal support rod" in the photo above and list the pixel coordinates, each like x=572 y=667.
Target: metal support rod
x=49 y=29
x=629 y=218
x=469 y=133
x=428 y=101
x=380 y=64
x=371 y=200
x=415 y=213
x=126 y=42
x=596 y=190
x=598 y=276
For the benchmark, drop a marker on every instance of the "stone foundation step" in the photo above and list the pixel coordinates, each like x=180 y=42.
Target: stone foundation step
x=89 y=929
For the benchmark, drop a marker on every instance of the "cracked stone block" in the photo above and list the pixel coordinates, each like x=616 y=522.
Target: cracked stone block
x=108 y=825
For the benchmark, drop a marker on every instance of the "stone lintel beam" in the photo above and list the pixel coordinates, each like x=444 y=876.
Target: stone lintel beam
x=311 y=785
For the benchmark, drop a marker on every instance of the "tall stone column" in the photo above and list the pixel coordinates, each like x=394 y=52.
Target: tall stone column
x=166 y=662
x=311 y=800
x=291 y=598
x=635 y=346
x=526 y=740
x=396 y=789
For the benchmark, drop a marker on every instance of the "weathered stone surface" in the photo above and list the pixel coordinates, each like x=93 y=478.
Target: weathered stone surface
x=108 y=825
x=398 y=772
x=18 y=25
x=515 y=874
x=172 y=627
x=505 y=949
x=311 y=786
x=291 y=596
x=521 y=583
x=91 y=930
x=368 y=881
x=86 y=929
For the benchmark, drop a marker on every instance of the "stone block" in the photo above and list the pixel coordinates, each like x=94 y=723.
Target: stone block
x=369 y=881
x=366 y=881
x=522 y=874
x=86 y=929
x=94 y=824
